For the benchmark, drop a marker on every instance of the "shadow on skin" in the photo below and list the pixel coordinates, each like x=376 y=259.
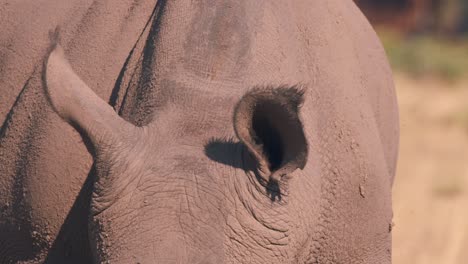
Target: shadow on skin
x=227 y=151
x=72 y=242
x=224 y=151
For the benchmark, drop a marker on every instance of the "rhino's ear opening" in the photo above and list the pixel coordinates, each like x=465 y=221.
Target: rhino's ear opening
x=77 y=104
x=267 y=122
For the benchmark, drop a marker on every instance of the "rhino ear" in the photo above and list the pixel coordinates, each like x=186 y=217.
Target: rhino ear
x=267 y=122
x=77 y=104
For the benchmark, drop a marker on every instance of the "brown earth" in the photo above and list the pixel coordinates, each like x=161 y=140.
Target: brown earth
x=431 y=186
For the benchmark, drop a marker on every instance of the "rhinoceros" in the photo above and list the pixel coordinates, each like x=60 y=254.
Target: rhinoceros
x=153 y=131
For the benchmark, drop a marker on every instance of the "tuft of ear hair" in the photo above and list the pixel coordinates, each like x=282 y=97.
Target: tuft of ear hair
x=266 y=121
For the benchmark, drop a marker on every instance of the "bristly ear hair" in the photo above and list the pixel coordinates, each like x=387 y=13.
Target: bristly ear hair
x=267 y=122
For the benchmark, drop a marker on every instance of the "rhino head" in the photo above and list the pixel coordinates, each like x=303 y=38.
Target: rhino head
x=169 y=192
x=155 y=198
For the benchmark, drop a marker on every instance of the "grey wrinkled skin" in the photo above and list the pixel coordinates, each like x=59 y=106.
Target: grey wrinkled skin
x=195 y=132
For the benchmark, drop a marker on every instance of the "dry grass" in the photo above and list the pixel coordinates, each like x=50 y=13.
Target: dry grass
x=431 y=187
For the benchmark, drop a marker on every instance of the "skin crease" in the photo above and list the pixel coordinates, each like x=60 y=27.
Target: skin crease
x=167 y=179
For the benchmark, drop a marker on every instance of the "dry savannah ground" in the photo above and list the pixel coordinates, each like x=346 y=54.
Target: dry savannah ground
x=430 y=195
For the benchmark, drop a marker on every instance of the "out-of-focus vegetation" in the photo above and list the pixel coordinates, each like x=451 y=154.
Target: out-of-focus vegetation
x=443 y=17
x=423 y=37
x=426 y=55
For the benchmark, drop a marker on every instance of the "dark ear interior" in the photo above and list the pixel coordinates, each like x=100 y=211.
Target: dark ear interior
x=267 y=122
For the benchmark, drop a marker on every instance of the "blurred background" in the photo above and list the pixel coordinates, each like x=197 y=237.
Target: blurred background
x=427 y=45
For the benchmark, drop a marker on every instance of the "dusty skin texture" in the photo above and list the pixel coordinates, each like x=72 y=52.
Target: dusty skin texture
x=213 y=101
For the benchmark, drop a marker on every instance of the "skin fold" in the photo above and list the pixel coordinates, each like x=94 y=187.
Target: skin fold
x=195 y=132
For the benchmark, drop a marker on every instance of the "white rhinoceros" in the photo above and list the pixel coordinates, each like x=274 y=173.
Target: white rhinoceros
x=194 y=132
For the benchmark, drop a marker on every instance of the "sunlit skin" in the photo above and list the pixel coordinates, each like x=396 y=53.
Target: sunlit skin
x=239 y=132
